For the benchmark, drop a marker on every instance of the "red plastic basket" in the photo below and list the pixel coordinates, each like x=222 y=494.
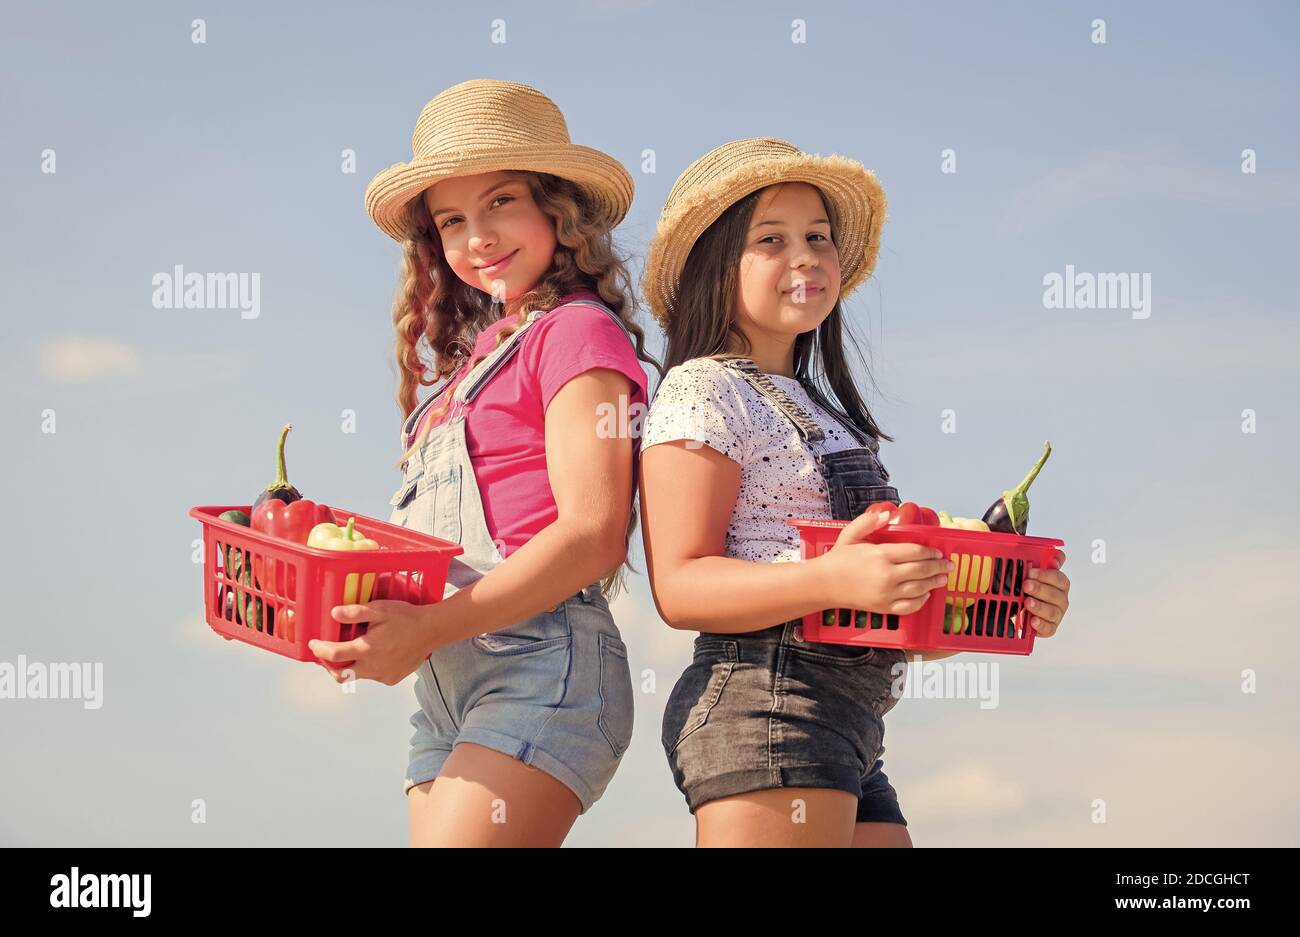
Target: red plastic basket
x=991 y=566
x=298 y=584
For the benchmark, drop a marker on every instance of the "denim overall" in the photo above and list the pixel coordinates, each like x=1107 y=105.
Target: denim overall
x=553 y=691
x=805 y=714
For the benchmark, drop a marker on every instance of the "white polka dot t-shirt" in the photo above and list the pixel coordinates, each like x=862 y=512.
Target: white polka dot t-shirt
x=706 y=401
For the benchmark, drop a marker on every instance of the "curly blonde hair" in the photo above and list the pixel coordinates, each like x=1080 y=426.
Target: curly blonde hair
x=436 y=307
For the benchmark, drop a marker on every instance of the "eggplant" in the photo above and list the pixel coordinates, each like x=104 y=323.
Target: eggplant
x=1010 y=513
x=280 y=489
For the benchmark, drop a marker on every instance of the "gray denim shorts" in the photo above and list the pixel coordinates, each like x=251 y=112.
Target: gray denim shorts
x=766 y=709
x=554 y=691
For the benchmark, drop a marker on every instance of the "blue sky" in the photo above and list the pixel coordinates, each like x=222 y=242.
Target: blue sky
x=225 y=156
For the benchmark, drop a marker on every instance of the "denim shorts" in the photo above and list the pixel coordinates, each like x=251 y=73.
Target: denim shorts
x=553 y=691
x=766 y=709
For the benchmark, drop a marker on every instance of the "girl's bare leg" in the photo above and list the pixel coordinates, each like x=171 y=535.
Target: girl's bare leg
x=484 y=798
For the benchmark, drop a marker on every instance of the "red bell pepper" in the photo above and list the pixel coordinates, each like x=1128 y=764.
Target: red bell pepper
x=292 y=521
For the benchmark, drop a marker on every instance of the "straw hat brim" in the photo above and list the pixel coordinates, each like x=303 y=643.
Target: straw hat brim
x=856 y=197
x=601 y=175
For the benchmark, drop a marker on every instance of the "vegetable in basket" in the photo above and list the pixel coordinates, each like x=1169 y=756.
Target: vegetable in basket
x=906 y=513
x=970 y=567
x=280 y=489
x=234 y=555
x=249 y=609
x=1010 y=515
x=226 y=601
x=289 y=521
x=329 y=536
x=858 y=618
x=280 y=511
x=961 y=523
x=234 y=569
x=253 y=613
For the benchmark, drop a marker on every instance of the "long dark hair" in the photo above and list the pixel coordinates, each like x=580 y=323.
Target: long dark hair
x=701 y=324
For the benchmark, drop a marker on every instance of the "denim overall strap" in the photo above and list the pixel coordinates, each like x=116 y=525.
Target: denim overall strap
x=472 y=383
x=855 y=478
x=609 y=312
x=412 y=421
x=487 y=369
x=448 y=503
x=479 y=376
x=864 y=438
x=808 y=429
x=456 y=503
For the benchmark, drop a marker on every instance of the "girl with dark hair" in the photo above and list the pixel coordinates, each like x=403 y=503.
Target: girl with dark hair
x=774 y=740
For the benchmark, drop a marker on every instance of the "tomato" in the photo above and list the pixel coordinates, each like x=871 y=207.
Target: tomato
x=883 y=507
x=906 y=513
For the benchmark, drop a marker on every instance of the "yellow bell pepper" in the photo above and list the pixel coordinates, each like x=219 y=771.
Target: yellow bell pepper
x=970 y=568
x=329 y=536
x=961 y=523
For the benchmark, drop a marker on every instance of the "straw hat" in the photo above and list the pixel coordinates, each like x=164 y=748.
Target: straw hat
x=724 y=175
x=485 y=125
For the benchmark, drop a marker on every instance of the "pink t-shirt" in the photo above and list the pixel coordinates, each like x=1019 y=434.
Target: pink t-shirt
x=505 y=425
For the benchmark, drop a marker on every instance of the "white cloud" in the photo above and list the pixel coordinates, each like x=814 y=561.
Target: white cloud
x=73 y=359
x=965 y=790
x=1174 y=776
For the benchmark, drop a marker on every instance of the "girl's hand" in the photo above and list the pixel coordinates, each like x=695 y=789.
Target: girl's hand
x=394 y=646
x=1050 y=589
x=889 y=578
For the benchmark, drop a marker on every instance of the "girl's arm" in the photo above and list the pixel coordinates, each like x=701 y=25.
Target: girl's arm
x=591 y=480
x=688 y=492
